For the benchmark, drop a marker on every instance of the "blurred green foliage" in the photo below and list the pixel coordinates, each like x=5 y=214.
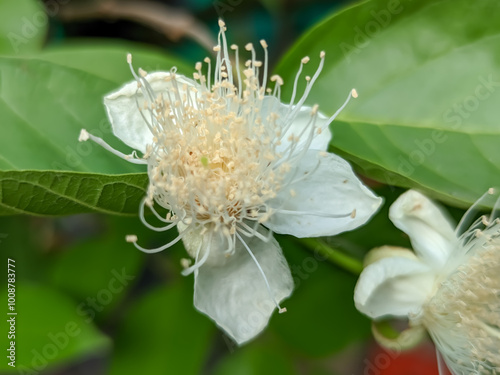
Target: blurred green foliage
x=85 y=272
x=23 y=24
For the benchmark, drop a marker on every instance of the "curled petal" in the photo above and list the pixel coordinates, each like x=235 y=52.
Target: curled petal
x=394 y=286
x=430 y=229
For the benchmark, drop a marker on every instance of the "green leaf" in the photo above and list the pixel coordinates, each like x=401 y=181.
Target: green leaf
x=23 y=26
x=162 y=334
x=57 y=193
x=251 y=359
x=107 y=59
x=44 y=103
x=115 y=267
x=427 y=112
x=21 y=239
x=43 y=107
x=48 y=330
x=321 y=317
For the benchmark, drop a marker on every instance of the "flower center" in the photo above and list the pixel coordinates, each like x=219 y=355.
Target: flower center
x=213 y=160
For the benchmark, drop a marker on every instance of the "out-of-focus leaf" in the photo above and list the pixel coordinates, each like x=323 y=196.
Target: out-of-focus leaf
x=162 y=334
x=23 y=26
x=58 y=193
x=43 y=107
x=107 y=59
x=257 y=359
x=48 y=331
x=321 y=317
x=44 y=103
x=100 y=271
x=427 y=113
x=19 y=241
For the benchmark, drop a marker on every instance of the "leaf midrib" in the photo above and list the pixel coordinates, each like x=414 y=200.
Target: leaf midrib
x=63 y=195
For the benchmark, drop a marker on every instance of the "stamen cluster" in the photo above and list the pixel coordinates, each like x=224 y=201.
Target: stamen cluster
x=463 y=316
x=213 y=160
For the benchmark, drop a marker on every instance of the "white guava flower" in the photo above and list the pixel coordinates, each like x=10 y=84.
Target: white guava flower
x=450 y=285
x=227 y=160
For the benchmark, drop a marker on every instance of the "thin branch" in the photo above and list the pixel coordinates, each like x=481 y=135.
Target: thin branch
x=334 y=256
x=173 y=23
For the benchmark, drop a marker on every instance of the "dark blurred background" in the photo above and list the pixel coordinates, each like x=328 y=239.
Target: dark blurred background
x=178 y=26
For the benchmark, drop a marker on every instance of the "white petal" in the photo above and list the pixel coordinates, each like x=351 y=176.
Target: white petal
x=429 y=227
x=394 y=286
x=321 y=138
x=235 y=295
x=126 y=119
x=332 y=189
